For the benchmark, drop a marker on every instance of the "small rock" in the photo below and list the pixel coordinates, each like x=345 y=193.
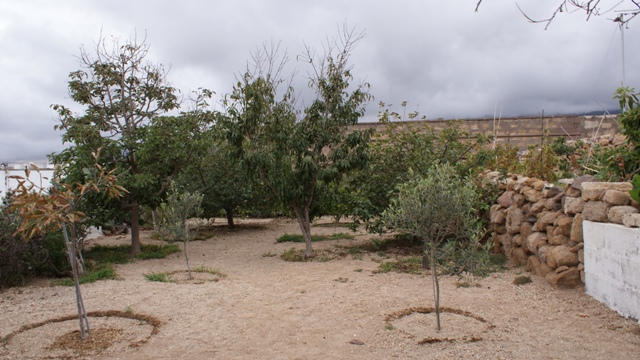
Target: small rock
x=356 y=342
x=515 y=217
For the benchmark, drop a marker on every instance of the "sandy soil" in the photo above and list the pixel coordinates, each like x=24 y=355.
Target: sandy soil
x=266 y=308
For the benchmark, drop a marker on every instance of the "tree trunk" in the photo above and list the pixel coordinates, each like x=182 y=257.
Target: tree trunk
x=436 y=286
x=425 y=262
x=230 y=223
x=305 y=227
x=186 y=256
x=135 y=229
x=83 y=319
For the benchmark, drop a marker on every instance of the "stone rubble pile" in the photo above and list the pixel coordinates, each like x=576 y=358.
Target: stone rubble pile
x=539 y=225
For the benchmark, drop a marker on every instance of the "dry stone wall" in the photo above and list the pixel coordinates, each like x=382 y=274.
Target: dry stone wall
x=539 y=225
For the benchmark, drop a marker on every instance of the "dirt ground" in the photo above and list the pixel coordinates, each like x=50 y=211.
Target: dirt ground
x=266 y=308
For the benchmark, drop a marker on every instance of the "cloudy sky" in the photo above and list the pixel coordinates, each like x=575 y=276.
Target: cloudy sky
x=442 y=58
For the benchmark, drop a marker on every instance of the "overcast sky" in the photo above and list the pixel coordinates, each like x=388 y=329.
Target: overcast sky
x=442 y=58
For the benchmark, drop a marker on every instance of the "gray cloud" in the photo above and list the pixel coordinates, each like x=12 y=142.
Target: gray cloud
x=441 y=57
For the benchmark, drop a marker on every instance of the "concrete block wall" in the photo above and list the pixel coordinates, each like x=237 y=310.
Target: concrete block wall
x=612 y=266
x=520 y=131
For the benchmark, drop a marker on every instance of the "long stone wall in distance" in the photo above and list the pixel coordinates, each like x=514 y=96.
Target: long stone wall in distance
x=523 y=131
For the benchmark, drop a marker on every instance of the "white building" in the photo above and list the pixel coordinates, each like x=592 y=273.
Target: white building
x=39 y=173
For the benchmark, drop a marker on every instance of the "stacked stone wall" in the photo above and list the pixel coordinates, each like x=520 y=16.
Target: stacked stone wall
x=539 y=225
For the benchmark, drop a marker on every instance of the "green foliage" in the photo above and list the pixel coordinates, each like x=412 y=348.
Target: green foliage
x=121 y=254
x=404 y=149
x=175 y=213
x=297 y=238
x=21 y=260
x=410 y=265
x=635 y=193
x=293 y=151
x=314 y=238
x=99 y=272
x=437 y=208
x=159 y=277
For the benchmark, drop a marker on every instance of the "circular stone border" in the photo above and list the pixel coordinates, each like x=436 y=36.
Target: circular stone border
x=424 y=310
x=154 y=322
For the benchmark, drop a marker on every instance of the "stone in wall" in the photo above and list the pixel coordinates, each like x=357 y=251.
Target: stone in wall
x=507 y=241
x=564 y=277
x=535 y=241
x=573 y=205
x=519 y=255
x=617 y=197
x=553 y=204
x=525 y=230
x=497 y=214
x=551 y=191
x=515 y=217
x=631 y=220
x=594 y=191
x=563 y=224
x=577 y=182
x=596 y=211
x=561 y=256
x=576 y=229
x=505 y=200
x=616 y=213
x=537 y=208
x=537 y=267
x=532 y=195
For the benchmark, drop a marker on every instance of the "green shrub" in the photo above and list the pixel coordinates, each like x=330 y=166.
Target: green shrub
x=297 y=238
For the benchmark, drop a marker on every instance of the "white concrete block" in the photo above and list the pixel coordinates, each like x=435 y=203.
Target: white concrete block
x=612 y=266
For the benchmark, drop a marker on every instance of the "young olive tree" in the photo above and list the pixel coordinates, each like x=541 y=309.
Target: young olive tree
x=122 y=92
x=437 y=208
x=175 y=213
x=44 y=210
x=291 y=150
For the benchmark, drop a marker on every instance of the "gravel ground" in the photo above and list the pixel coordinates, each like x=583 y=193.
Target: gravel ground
x=266 y=308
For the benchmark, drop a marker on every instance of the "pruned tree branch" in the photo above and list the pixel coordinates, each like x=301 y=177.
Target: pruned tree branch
x=631 y=9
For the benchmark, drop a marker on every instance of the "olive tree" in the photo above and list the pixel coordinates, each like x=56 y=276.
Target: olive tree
x=174 y=216
x=435 y=208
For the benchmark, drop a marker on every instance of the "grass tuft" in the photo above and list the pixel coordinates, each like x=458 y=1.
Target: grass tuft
x=99 y=272
x=521 y=280
x=300 y=239
x=159 y=277
x=293 y=255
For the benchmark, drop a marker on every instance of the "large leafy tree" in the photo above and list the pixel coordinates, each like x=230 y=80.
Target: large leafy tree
x=293 y=151
x=122 y=93
x=219 y=176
